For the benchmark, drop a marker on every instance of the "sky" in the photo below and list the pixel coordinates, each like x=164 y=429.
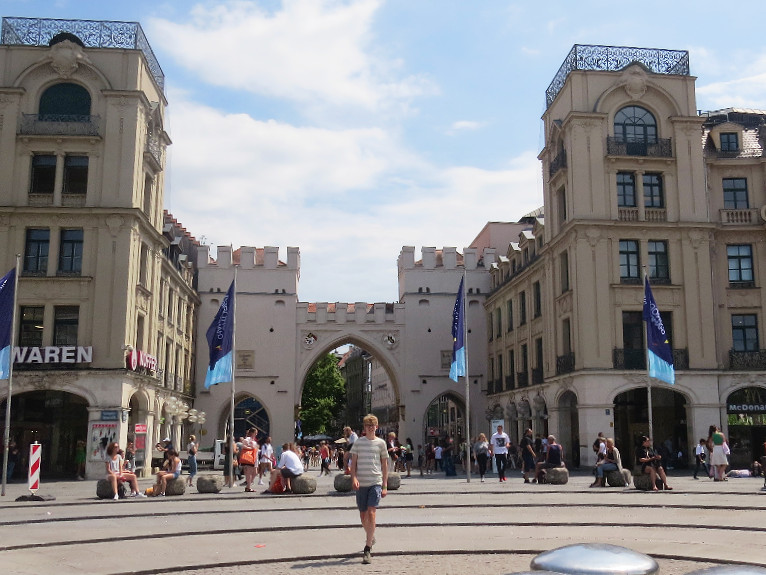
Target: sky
x=351 y=128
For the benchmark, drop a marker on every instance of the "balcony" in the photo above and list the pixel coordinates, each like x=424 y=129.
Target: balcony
x=662 y=148
x=655 y=215
x=509 y=383
x=747 y=360
x=627 y=214
x=565 y=363
x=742 y=217
x=537 y=375
x=681 y=358
x=558 y=163
x=155 y=150
x=628 y=358
x=522 y=378
x=729 y=154
x=58 y=125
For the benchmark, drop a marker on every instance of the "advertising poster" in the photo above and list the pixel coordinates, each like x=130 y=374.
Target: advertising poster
x=101 y=435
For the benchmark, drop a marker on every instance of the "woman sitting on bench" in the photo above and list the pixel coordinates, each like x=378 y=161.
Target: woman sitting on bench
x=650 y=463
x=115 y=471
x=611 y=462
x=173 y=471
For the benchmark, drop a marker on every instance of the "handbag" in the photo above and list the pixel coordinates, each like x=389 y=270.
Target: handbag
x=247 y=457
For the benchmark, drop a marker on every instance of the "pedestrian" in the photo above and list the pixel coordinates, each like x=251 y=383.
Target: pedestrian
x=172 y=471
x=700 y=458
x=351 y=437
x=230 y=453
x=13 y=459
x=718 y=459
x=498 y=445
x=369 y=478
x=554 y=457
x=611 y=462
x=409 y=456
x=650 y=463
x=130 y=457
x=430 y=458
x=191 y=458
x=481 y=449
x=421 y=457
x=79 y=459
x=266 y=460
x=448 y=454
x=116 y=473
x=289 y=468
x=324 y=457
x=527 y=455
x=438 y=456
x=248 y=457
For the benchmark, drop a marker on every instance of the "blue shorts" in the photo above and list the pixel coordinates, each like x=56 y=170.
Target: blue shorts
x=176 y=474
x=367 y=497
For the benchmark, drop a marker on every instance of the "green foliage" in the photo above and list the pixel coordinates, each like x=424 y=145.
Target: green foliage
x=324 y=398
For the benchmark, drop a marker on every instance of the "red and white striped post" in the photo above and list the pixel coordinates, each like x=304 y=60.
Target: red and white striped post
x=35 y=453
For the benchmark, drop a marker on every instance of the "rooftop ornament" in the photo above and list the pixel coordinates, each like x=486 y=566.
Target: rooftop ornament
x=91 y=33
x=614 y=59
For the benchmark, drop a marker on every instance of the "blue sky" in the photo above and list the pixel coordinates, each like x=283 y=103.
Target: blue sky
x=352 y=128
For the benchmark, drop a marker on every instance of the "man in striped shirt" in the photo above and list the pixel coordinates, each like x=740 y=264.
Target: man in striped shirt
x=369 y=477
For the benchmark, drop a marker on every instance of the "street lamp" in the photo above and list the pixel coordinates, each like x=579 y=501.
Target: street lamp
x=197 y=417
x=176 y=409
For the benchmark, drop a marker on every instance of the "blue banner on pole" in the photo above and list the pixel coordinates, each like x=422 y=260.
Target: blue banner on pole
x=457 y=368
x=659 y=356
x=220 y=338
x=7 y=287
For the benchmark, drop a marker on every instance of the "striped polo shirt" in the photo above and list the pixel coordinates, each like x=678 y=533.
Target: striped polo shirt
x=368 y=454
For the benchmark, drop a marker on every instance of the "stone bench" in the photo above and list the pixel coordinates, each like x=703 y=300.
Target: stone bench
x=616 y=479
x=104 y=489
x=643 y=481
x=303 y=484
x=209 y=483
x=176 y=486
x=557 y=475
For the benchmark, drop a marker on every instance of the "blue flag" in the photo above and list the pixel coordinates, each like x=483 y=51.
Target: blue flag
x=7 y=285
x=220 y=338
x=457 y=369
x=659 y=355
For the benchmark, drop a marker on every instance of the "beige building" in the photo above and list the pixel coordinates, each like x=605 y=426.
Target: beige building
x=106 y=302
x=635 y=180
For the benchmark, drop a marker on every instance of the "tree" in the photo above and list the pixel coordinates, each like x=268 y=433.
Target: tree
x=324 y=398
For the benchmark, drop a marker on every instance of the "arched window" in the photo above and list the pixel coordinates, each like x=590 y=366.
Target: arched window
x=65 y=102
x=635 y=124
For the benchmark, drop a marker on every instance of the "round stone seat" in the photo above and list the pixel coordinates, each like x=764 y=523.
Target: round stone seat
x=104 y=489
x=394 y=481
x=642 y=481
x=557 y=475
x=616 y=479
x=209 y=483
x=176 y=486
x=304 y=485
x=342 y=483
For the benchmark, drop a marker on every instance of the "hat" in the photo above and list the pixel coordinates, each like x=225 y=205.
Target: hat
x=166 y=439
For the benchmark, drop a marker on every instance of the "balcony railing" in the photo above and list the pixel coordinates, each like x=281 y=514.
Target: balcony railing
x=740 y=217
x=741 y=153
x=537 y=375
x=154 y=149
x=655 y=215
x=628 y=358
x=509 y=383
x=522 y=378
x=565 y=363
x=681 y=358
x=627 y=214
x=59 y=125
x=747 y=360
x=559 y=162
x=662 y=148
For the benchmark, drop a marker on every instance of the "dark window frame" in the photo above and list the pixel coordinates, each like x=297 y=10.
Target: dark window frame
x=70 y=251
x=729 y=142
x=740 y=263
x=626 y=189
x=735 y=196
x=36 y=250
x=66 y=321
x=43 y=174
x=635 y=124
x=630 y=261
x=659 y=260
x=31 y=319
x=654 y=192
x=76 y=175
x=744 y=332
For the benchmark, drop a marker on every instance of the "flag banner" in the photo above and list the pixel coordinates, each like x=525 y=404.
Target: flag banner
x=659 y=356
x=457 y=368
x=220 y=338
x=7 y=286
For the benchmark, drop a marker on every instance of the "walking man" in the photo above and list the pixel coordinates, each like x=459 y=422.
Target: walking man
x=369 y=478
x=498 y=446
x=528 y=455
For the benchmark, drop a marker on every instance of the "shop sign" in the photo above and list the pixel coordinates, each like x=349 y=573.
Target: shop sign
x=745 y=408
x=138 y=359
x=140 y=428
x=51 y=354
x=110 y=415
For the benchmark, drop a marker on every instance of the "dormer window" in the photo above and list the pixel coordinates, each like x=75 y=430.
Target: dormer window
x=729 y=142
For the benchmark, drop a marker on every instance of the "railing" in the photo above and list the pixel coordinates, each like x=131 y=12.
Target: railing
x=628 y=358
x=681 y=358
x=627 y=214
x=522 y=378
x=155 y=149
x=749 y=284
x=59 y=125
x=655 y=215
x=615 y=58
x=509 y=383
x=662 y=148
x=740 y=217
x=565 y=363
x=92 y=33
x=747 y=359
x=741 y=153
x=559 y=162
x=537 y=375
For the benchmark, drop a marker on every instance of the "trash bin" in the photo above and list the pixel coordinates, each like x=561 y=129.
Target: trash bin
x=595 y=559
x=731 y=570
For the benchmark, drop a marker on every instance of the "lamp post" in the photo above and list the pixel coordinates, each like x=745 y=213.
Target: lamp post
x=177 y=410
x=197 y=417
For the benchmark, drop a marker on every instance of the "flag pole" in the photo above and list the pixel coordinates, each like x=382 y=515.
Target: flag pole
x=467 y=385
x=648 y=377
x=7 y=431
x=233 y=353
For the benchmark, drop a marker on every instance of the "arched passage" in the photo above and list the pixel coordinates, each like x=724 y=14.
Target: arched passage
x=746 y=414
x=631 y=420
x=444 y=417
x=55 y=419
x=138 y=427
x=569 y=427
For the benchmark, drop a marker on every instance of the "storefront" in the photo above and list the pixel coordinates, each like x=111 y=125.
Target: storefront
x=746 y=414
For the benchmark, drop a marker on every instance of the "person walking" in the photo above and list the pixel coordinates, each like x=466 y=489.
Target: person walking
x=718 y=459
x=481 y=449
x=324 y=455
x=369 y=478
x=248 y=457
x=527 y=455
x=700 y=458
x=266 y=460
x=498 y=445
x=191 y=458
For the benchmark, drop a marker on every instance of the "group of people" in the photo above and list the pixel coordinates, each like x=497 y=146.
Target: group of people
x=249 y=457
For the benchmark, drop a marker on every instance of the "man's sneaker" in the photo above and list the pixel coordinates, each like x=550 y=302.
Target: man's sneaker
x=134 y=494
x=367 y=558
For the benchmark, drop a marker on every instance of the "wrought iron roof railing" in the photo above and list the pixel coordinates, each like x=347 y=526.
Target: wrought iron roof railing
x=93 y=33
x=615 y=58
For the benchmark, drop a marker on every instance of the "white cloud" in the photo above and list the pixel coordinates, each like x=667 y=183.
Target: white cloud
x=746 y=91
x=313 y=52
x=465 y=126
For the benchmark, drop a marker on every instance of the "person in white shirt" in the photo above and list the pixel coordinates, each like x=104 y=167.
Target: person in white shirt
x=498 y=446
x=265 y=459
x=289 y=467
x=700 y=456
x=438 y=456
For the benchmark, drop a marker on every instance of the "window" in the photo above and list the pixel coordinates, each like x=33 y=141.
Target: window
x=562 y=205
x=498 y=322
x=76 y=175
x=653 y=196
x=735 y=194
x=632 y=330
x=31 y=328
x=509 y=314
x=729 y=142
x=148 y=185
x=65 y=102
x=566 y=336
x=499 y=386
x=144 y=263
x=511 y=368
x=524 y=359
x=626 y=190
x=537 y=299
x=564 y=265
x=65 y=320
x=740 y=258
x=70 y=252
x=522 y=308
x=659 y=266
x=43 y=174
x=539 y=353
x=629 y=261
x=635 y=124
x=36 y=251
x=744 y=332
